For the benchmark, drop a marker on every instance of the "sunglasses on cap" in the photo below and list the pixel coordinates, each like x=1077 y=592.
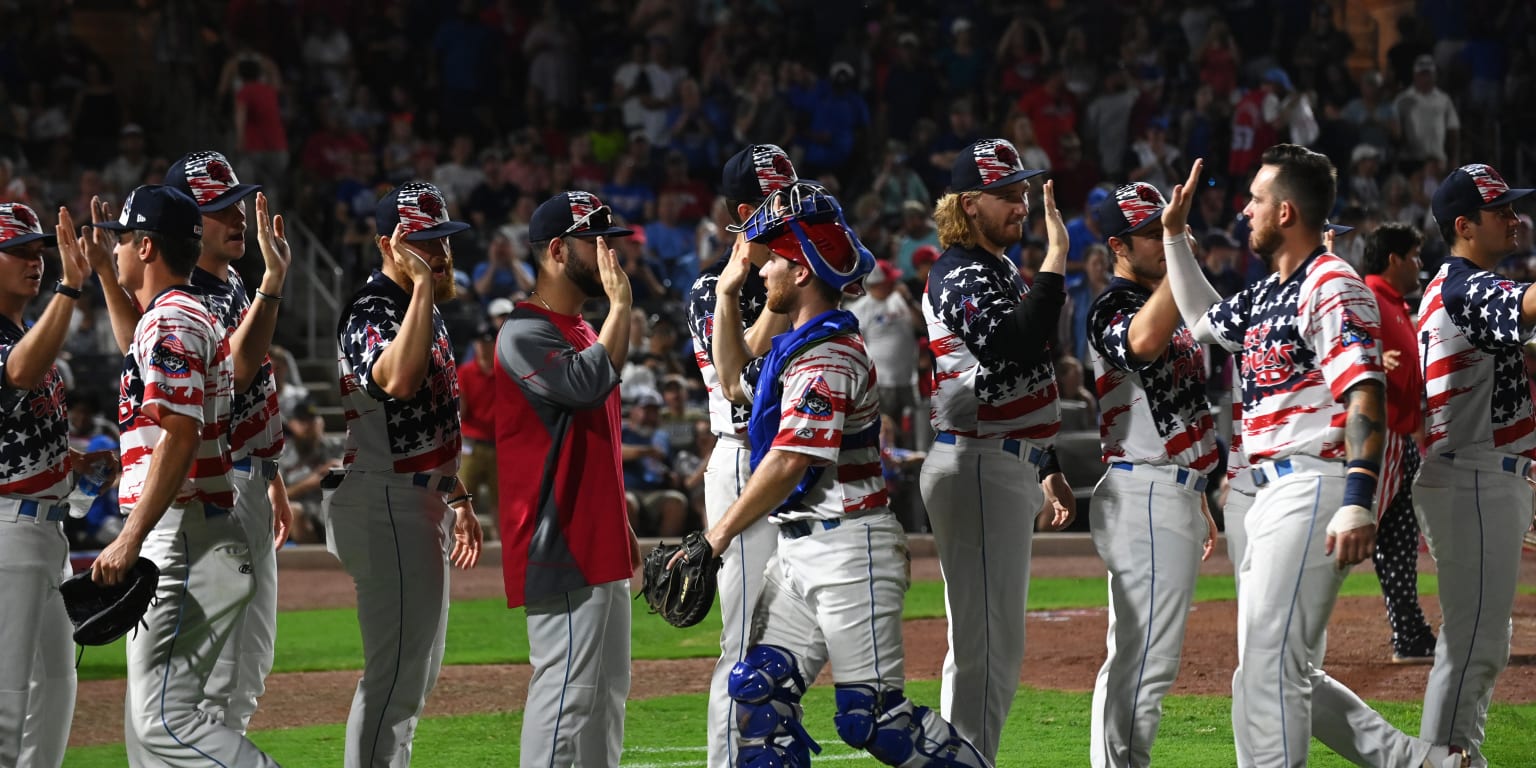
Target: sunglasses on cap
x=600 y=217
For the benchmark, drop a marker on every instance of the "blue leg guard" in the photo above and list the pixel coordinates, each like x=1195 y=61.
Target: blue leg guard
x=767 y=687
x=897 y=733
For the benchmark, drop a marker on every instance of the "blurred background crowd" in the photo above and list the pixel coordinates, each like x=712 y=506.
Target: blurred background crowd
x=501 y=103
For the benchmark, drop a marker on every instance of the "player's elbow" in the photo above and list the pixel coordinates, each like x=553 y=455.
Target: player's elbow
x=24 y=377
x=734 y=393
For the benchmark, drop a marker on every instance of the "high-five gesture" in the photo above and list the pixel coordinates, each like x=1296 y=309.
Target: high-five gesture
x=271 y=234
x=615 y=281
x=1176 y=214
x=1057 y=242
x=72 y=261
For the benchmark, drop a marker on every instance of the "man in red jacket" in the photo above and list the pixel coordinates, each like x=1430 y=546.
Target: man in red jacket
x=567 y=549
x=1391 y=268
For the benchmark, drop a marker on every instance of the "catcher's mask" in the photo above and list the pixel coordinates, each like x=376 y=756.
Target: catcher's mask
x=804 y=224
x=102 y=614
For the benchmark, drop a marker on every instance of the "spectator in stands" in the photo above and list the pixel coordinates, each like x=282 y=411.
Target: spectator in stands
x=656 y=506
x=1218 y=58
x=477 y=417
x=1096 y=274
x=631 y=198
x=1074 y=175
x=1053 y=110
x=495 y=196
x=1022 y=131
x=941 y=152
x=1364 y=164
x=1431 y=127
x=671 y=243
x=838 y=117
x=527 y=169
x=290 y=387
x=260 y=136
x=889 y=320
x=960 y=63
x=458 y=177
x=1106 y=124
x=922 y=262
x=762 y=116
x=550 y=49
x=1079 y=408
x=1082 y=232
x=1153 y=159
x=1374 y=117
x=308 y=456
x=502 y=274
x=693 y=196
x=1223 y=263
x=327 y=150
x=909 y=82
x=917 y=230
x=126 y=171
x=897 y=183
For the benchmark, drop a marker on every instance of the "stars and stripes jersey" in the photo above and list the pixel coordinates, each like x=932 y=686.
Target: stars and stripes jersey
x=1470 y=342
x=179 y=364
x=978 y=391
x=725 y=417
x=385 y=434
x=1152 y=412
x=830 y=411
x=257 y=427
x=1238 y=476
x=34 y=429
x=1304 y=342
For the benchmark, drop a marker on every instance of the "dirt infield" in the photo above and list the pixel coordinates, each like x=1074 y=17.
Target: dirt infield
x=1064 y=652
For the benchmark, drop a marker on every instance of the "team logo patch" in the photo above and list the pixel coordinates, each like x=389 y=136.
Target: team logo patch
x=1352 y=333
x=371 y=337
x=995 y=159
x=169 y=357
x=968 y=304
x=816 y=401
x=709 y=326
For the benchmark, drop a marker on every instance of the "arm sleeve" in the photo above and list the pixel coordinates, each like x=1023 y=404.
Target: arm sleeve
x=1208 y=317
x=546 y=366
x=173 y=358
x=1109 y=328
x=1486 y=307
x=993 y=322
x=813 y=408
x=370 y=329
x=1341 y=323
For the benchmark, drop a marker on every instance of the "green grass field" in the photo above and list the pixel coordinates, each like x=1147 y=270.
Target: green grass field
x=485 y=632
x=1046 y=728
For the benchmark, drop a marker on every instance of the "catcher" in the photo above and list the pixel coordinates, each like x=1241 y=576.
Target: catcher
x=835 y=588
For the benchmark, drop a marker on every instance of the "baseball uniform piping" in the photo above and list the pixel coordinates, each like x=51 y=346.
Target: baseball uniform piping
x=1146 y=648
x=565 y=684
x=874 y=638
x=1466 y=663
x=165 y=678
x=741 y=646
x=1301 y=571
x=378 y=729
x=986 y=600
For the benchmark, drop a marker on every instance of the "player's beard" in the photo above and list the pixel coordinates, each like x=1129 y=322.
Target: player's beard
x=781 y=299
x=1000 y=232
x=1265 y=241
x=444 y=289
x=585 y=277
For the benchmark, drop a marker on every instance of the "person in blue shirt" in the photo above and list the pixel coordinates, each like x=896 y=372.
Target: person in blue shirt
x=656 y=507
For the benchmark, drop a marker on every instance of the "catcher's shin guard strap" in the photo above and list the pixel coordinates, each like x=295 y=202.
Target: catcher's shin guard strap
x=767 y=687
x=895 y=732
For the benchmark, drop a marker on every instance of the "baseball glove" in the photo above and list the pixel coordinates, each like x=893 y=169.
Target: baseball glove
x=683 y=594
x=103 y=614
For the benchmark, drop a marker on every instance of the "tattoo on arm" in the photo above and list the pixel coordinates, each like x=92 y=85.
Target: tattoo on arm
x=1365 y=425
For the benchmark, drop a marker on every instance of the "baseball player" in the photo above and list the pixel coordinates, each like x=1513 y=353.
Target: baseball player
x=750 y=176
x=995 y=411
x=177 y=388
x=1313 y=430
x=400 y=514
x=1391 y=268
x=835 y=586
x=567 y=548
x=1150 y=521
x=35 y=644
x=1472 y=495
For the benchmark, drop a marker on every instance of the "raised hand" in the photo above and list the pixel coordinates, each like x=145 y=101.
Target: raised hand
x=615 y=280
x=72 y=261
x=734 y=276
x=1176 y=214
x=271 y=234
x=1057 y=242
x=97 y=243
x=408 y=260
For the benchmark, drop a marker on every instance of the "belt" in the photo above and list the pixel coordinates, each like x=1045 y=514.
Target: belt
x=51 y=511
x=1266 y=472
x=439 y=483
x=268 y=466
x=1178 y=475
x=1026 y=452
x=213 y=510
x=799 y=529
x=1519 y=466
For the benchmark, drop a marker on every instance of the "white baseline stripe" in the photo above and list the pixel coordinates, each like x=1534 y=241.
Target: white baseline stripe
x=694 y=763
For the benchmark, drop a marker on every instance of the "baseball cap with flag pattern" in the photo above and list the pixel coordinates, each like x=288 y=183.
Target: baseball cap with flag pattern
x=421 y=208
x=988 y=164
x=1472 y=188
x=572 y=214
x=209 y=179
x=1132 y=208
x=19 y=225
x=757 y=172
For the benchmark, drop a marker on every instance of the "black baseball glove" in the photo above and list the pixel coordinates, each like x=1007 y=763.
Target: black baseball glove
x=684 y=593
x=103 y=614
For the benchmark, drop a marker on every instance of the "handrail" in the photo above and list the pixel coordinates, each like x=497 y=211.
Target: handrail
x=317 y=268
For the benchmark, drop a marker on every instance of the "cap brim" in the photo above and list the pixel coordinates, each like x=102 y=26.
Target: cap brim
x=1012 y=178
x=30 y=237
x=1508 y=197
x=114 y=226
x=1156 y=218
x=1339 y=229
x=231 y=196
x=609 y=232
x=437 y=232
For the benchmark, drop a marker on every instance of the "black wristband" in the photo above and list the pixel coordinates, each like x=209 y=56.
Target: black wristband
x=268 y=296
x=457 y=499
x=64 y=290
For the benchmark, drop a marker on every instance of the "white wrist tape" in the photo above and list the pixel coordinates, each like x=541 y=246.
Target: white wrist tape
x=1349 y=518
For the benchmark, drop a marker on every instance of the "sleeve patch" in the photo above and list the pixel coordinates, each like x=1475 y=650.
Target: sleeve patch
x=815 y=400
x=169 y=357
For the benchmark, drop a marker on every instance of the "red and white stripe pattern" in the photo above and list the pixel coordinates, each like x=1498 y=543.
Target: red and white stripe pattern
x=829 y=391
x=420 y=206
x=1305 y=342
x=209 y=175
x=996 y=159
x=17 y=220
x=179 y=364
x=257 y=422
x=1470 y=342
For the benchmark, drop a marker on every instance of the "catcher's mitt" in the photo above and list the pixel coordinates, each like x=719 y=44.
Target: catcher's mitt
x=683 y=594
x=103 y=614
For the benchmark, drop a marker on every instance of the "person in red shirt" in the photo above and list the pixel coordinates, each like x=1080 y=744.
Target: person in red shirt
x=259 y=130
x=1391 y=267
x=567 y=548
x=477 y=417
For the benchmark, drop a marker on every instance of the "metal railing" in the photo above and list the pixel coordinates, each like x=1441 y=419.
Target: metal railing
x=318 y=271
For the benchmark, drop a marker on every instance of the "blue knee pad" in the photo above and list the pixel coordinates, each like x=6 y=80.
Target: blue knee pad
x=767 y=687
x=893 y=731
